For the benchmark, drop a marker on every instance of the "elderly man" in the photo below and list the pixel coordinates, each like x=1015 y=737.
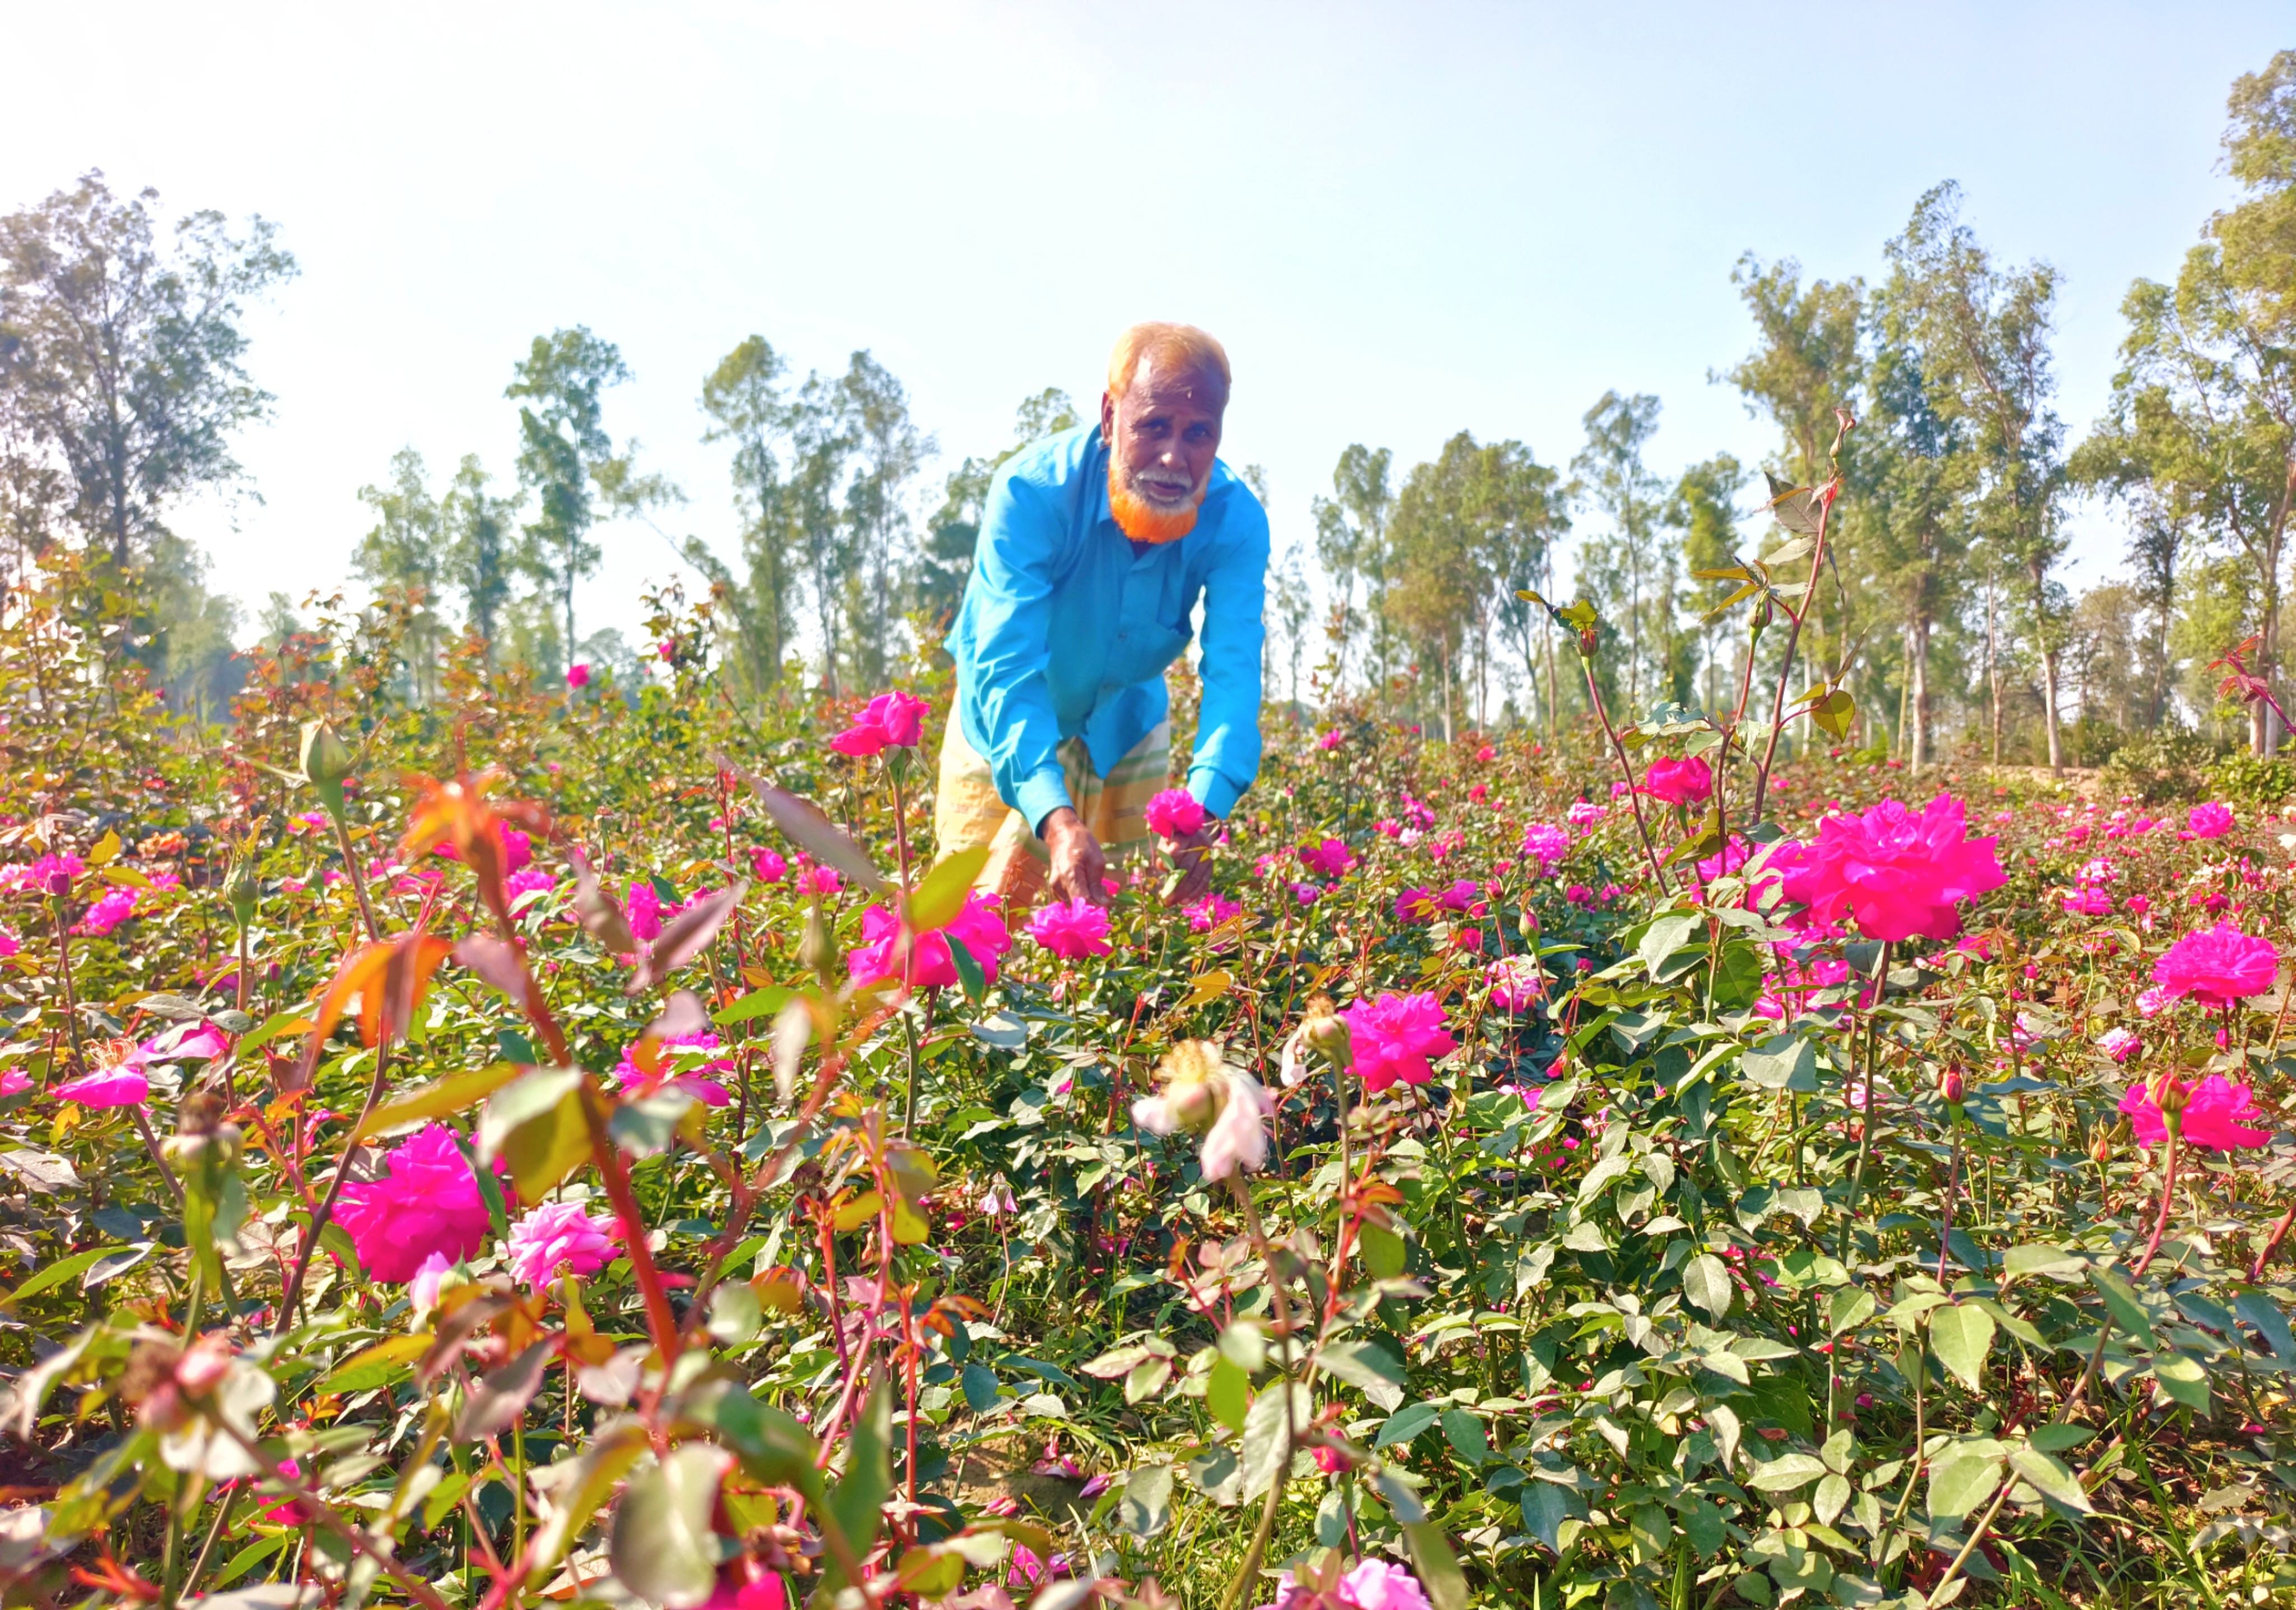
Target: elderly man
x=1095 y=547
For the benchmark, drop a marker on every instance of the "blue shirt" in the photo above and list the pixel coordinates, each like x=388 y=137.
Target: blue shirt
x=1065 y=631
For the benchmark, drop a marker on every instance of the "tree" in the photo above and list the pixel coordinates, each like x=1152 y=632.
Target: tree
x=1702 y=508
x=402 y=554
x=1351 y=541
x=954 y=529
x=1807 y=362
x=746 y=406
x=481 y=560
x=1610 y=475
x=889 y=451
x=1979 y=335
x=1439 y=578
x=1519 y=515
x=2204 y=409
x=1292 y=601
x=567 y=460
x=121 y=370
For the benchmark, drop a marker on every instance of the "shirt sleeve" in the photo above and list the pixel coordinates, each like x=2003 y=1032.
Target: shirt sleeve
x=1228 y=726
x=1012 y=724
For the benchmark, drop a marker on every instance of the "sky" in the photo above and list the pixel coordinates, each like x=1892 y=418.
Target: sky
x=1401 y=220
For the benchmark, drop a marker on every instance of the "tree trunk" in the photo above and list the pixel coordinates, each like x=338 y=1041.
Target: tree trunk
x=1443 y=655
x=1919 y=754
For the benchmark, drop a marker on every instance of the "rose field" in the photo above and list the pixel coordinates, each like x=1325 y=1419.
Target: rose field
x=579 y=1144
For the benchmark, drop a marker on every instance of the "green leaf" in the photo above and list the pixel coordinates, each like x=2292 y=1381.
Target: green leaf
x=757 y=1002
x=1465 y=1431
x=1834 y=713
x=980 y=1383
x=940 y=898
x=2260 y=1311
x=1959 y=1482
x=2120 y=1301
x=600 y=1466
x=1146 y=1507
x=2039 y=1259
x=1228 y=1393
x=2056 y=1439
x=1382 y=1251
x=1783 y=1061
x=375 y=1366
x=773 y=1446
x=662 y=1548
x=536 y=1124
x=2049 y=1478
x=1406 y=1424
x=1850 y=1308
x=1438 y=1567
x=968 y=970
x=55 y=1273
x=2182 y=1378
x=1785 y=1473
x=1266 y=1452
x=1706 y=1282
x=1961 y=1337
x=1370 y=1367
x=858 y=1502
x=1547 y=1510
x=1666 y=935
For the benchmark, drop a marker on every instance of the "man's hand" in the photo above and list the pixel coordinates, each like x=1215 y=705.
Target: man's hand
x=1077 y=864
x=1192 y=853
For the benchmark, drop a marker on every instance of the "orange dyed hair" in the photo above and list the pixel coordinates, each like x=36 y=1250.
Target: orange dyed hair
x=1165 y=346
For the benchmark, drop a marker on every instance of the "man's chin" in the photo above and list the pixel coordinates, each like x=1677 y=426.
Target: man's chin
x=1147 y=520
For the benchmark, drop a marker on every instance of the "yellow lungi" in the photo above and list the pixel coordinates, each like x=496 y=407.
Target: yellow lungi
x=968 y=811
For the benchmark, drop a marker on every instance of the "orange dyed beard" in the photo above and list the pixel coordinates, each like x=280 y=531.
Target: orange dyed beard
x=1145 y=521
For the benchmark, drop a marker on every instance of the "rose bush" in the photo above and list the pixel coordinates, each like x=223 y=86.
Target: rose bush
x=1802 y=1202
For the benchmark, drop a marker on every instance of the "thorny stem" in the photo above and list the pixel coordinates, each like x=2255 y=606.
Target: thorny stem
x=1952 y=1174
x=151 y=1144
x=64 y=974
x=2271 y=1245
x=357 y=877
x=1785 y=666
x=2167 y=1191
x=1866 y=1127
x=1976 y=1536
x=1626 y=769
x=321 y=1512
x=293 y=1294
x=1248 y=1572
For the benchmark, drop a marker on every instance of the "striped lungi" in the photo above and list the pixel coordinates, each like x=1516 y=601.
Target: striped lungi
x=968 y=811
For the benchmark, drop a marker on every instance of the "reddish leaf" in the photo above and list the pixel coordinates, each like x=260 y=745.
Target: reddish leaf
x=686 y=936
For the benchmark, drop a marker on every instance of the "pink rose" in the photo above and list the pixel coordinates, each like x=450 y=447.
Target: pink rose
x=894 y=720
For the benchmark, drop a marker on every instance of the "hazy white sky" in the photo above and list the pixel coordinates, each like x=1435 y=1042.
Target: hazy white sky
x=1402 y=220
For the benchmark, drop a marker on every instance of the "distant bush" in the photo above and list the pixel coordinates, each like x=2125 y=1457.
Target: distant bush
x=2250 y=779
x=2157 y=766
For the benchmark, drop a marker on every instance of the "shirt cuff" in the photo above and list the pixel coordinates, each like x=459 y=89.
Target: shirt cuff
x=1041 y=795
x=1213 y=792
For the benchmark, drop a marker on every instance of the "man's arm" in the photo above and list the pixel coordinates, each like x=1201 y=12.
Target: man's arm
x=1018 y=734
x=1227 y=727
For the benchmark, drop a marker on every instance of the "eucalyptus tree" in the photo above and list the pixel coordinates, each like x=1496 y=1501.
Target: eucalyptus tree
x=888 y=452
x=1352 y=542
x=953 y=528
x=1620 y=566
x=482 y=558
x=1980 y=333
x=122 y=371
x=1437 y=570
x=1519 y=516
x=1702 y=511
x=2204 y=409
x=568 y=462
x=402 y=554
x=747 y=407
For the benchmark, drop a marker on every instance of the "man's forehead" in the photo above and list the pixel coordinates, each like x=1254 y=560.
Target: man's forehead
x=1176 y=385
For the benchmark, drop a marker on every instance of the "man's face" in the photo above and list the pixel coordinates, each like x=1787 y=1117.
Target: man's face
x=1163 y=434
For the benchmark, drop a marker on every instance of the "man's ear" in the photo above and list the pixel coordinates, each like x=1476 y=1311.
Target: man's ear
x=1107 y=419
